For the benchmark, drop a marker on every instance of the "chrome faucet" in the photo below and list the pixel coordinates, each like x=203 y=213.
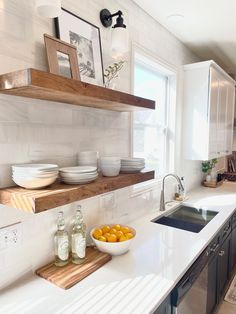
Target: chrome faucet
x=162 y=200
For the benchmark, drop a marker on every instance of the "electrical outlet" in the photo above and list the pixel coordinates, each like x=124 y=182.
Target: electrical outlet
x=10 y=236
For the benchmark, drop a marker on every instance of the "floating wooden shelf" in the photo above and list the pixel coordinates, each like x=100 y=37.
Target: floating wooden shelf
x=46 y=86
x=59 y=194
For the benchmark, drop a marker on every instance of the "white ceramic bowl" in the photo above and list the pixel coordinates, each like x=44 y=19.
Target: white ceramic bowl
x=113 y=248
x=34 y=183
x=34 y=167
x=110 y=171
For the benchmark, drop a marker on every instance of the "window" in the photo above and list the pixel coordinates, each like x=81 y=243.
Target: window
x=153 y=135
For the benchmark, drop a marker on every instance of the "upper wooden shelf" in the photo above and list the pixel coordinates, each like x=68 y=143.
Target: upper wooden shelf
x=46 y=86
x=59 y=194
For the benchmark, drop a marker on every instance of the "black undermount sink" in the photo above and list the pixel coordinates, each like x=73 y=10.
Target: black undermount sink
x=187 y=218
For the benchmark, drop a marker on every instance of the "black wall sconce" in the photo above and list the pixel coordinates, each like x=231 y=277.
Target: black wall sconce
x=119 y=40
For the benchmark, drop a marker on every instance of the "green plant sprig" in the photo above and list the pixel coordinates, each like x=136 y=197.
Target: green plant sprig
x=111 y=72
x=209 y=165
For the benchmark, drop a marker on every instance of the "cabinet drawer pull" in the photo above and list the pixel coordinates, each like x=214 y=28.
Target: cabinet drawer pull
x=214 y=247
x=221 y=253
x=227 y=229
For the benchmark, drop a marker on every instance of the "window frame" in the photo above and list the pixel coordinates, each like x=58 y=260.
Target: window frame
x=171 y=71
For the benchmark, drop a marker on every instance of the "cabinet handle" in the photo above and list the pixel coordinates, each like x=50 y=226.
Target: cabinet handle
x=221 y=253
x=214 y=247
x=226 y=229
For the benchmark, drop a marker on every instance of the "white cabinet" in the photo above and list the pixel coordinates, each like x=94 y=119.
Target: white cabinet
x=209 y=95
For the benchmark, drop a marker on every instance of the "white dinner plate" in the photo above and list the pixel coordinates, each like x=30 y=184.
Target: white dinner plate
x=78 y=169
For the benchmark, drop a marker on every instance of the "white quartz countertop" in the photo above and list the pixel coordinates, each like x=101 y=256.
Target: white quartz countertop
x=136 y=282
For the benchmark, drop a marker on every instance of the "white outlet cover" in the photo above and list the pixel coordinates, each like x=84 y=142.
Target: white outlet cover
x=10 y=236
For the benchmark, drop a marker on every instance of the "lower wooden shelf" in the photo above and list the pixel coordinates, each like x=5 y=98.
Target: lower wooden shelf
x=59 y=194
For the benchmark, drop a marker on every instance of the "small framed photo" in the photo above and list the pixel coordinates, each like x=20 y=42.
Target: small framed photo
x=86 y=38
x=62 y=58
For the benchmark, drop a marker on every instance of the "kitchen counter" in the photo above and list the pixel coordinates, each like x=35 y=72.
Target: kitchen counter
x=136 y=282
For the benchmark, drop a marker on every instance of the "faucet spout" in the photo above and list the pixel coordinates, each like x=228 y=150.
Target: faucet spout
x=162 y=198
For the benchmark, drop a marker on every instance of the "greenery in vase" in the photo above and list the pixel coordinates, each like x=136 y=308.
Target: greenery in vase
x=111 y=72
x=208 y=165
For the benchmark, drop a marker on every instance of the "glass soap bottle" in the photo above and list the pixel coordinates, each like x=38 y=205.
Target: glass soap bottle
x=78 y=238
x=61 y=242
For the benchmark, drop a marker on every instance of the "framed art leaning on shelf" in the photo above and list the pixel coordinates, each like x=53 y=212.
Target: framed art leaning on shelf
x=62 y=58
x=86 y=38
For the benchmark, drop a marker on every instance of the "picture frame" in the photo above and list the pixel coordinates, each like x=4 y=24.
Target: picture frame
x=86 y=38
x=62 y=57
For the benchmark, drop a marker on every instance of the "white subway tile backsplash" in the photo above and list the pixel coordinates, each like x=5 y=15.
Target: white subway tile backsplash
x=49 y=113
x=51 y=150
x=42 y=131
x=12 y=110
x=14 y=153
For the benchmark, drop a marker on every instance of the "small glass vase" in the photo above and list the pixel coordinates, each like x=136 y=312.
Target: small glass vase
x=208 y=177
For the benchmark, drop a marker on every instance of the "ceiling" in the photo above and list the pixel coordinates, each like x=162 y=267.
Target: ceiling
x=208 y=27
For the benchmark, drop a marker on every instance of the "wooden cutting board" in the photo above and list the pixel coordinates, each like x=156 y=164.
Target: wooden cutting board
x=67 y=276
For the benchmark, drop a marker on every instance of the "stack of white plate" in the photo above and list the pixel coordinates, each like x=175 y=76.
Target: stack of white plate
x=132 y=164
x=78 y=175
x=89 y=158
x=34 y=176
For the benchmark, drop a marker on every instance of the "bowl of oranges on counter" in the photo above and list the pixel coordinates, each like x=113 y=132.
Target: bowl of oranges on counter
x=113 y=239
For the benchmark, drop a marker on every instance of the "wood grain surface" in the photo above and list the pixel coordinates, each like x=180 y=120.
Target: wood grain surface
x=59 y=194
x=47 y=86
x=67 y=276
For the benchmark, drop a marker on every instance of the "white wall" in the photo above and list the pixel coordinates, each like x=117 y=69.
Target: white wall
x=33 y=130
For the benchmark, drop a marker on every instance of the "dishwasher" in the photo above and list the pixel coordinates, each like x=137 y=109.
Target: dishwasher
x=191 y=296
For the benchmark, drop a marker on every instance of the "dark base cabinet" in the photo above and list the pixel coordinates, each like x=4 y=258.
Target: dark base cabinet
x=212 y=284
x=233 y=244
x=165 y=307
x=223 y=266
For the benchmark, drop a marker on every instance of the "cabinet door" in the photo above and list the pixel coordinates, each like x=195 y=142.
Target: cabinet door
x=212 y=285
x=223 y=265
x=221 y=121
x=233 y=249
x=213 y=112
x=165 y=307
x=229 y=118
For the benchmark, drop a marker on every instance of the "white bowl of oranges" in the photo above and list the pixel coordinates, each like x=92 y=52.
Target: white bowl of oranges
x=113 y=239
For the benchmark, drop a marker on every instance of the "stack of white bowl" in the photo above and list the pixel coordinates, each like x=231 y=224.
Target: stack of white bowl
x=110 y=166
x=78 y=175
x=89 y=158
x=34 y=176
x=130 y=165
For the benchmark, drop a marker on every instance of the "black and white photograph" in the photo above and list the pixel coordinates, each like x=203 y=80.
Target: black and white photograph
x=64 y=64
x=85 y=54
x=86 y=38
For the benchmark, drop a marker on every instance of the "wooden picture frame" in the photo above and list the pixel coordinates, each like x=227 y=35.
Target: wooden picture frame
x=62 y=58
x=85 y=36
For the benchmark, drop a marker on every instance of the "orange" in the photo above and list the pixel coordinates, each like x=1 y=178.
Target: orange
x=112 y=238
x=124 y=229
x=119 y=234
x=106 y=235
x=105 y=229
x=102 y=238
x=122 y=238
x=129 y=235
x=113 y=231
x=97 y=233
x=117 y=227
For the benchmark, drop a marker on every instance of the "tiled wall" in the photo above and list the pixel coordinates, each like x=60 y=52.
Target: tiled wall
x=33 y=130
